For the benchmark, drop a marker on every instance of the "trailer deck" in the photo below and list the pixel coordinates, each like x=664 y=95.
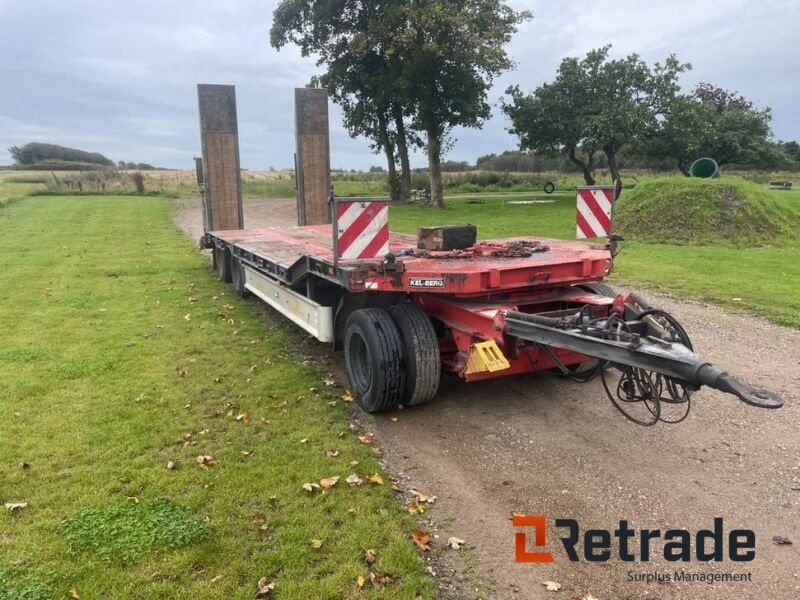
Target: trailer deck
x=291 y=253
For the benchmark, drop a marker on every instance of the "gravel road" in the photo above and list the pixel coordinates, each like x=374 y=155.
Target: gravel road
x=540 y=445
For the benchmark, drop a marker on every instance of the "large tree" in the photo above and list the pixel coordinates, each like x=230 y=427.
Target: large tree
x=595 y=104
x=429 y=61
x=349 y=39
x=714 y=122
x=451 y=52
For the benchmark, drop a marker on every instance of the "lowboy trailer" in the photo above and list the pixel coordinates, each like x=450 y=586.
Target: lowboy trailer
x=403 y=313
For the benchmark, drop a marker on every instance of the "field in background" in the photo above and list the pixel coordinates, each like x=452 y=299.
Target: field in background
x=122 y=361
x=280 y=184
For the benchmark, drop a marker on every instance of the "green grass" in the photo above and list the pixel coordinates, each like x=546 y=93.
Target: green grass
x=763 y=280
x=120 y=352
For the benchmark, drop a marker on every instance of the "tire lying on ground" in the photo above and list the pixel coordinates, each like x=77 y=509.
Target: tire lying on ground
x=237 y=278
x=373 y=352
x=423 y=364
x=222 y=263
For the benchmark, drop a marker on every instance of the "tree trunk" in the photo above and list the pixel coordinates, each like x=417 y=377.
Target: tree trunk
x=388 y=148
x=435 y=167
x=683 y=169
x=587 y=167
x=611 y=155
x=402 y=150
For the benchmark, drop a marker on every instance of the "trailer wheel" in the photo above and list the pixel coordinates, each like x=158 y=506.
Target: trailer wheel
x=423 y=364
x=222 y=262
x=237 y=278
x=373 y=352
x=601 y=289
x=549 y=187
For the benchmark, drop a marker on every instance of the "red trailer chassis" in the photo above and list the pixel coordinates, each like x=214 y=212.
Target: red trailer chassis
x=495 y=309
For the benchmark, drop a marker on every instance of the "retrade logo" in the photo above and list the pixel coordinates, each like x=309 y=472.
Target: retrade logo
x=631 y=545
x=521 y=553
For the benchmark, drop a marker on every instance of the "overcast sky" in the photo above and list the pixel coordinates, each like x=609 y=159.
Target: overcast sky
x=119 y=77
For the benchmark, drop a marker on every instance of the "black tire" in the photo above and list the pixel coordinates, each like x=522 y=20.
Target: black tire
x=549 y=187
x=601 y=289
x=237 y=278
x=423 y=364
x=222 y=263
x=373 y=352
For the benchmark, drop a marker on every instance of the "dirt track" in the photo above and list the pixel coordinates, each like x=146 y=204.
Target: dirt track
x=545 y=446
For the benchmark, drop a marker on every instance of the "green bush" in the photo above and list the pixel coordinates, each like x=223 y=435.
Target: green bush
x=35 y=152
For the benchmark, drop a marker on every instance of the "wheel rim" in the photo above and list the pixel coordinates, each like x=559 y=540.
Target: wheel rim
x=360 y=366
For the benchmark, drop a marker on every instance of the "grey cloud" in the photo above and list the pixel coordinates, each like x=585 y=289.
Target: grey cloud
x=120 y=78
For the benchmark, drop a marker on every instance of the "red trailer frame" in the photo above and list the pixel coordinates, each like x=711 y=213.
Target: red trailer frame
x=494 y=309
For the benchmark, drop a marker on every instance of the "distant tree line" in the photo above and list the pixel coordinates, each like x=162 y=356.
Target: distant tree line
x=131 y=166
x=36 y=152
x=37 y=155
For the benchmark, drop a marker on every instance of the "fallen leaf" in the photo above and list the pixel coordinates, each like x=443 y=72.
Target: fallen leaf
x=360 y=581
x=589 y=597
x=366 y=438
x=347 y=396
x=370 y=555
x=73 y=592
x=310 y=487
x=329 y=482
x=379 y=581
x=171 y=465
x=316 y=544
x=422 y=539
x=354 y=480
x=266 y=421
x=24 y=466
x=187 y=317
x=394 y=419
x=182 y=372
x=264 y=589
x=243 y=418
x=551 y=586
x=248 y=452
x=781 y=540
x=455 y=543
x=376 y=479
x=314 y=390
x=304 y=441
x=215 y=579
x=15 y=506
x=205 y=461
x=353 y=463
x=415 y=508
x=422 y=497
x=332 y=453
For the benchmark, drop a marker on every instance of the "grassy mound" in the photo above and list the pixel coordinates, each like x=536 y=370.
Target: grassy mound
x=728 y=211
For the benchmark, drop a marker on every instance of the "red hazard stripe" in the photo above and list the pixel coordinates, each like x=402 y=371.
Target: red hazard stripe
x=380 y=239
x=598 y=212
x=357 y=227
x=342 y=207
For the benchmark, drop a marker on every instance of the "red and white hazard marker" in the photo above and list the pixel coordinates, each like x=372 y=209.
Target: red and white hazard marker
x=595 y=205
x=362 y=229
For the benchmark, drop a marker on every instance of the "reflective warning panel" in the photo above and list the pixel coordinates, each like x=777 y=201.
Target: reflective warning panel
x=362 y=229
x=595 y=211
